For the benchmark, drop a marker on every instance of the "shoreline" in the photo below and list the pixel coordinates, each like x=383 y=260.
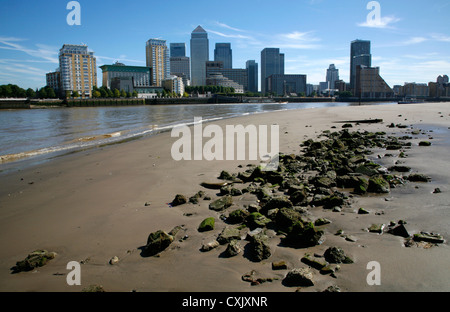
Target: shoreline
x=46 y=153
x=91 y=206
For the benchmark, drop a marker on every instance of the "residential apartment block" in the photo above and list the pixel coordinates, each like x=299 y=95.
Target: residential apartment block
x=78 y=69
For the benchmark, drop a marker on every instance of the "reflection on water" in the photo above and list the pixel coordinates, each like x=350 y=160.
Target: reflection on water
x=25 y=133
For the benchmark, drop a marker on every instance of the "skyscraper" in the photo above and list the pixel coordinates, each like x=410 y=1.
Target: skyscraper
x=78 y=69
x=157 y=55
x=252 y=72
x=177 y=49
x=199 y=56
x=359 y=55
x=223 y=53
x=332 y=76
x=272 y=63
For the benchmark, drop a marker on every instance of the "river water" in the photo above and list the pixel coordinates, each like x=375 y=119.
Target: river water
x=40 y=134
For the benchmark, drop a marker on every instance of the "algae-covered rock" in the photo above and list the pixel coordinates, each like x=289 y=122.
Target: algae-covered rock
x=314 y=262
x=286 y=218
x=378 y=185
x=429 y=238
x=157 y=242
x=228 y=234
x=207 y=225
x=237 y=216
x=221 y=203
x=361 y=186
x=194 y=199
x=278 y=202
x=256 y=220
x=304 y=235
x=37 y=258
x=336 y=255
x=93 y=288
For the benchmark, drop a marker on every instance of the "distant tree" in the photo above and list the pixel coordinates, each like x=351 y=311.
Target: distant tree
x=75 y=94
x=43 y=93
x=116 y=93
x=110 y=93
x=96 y=94
x=30 y=93
x=123 y=93
x=345 y=94
x=50 y=92
x=6 y=91
x=134 y=94
x=128 y=94
x=185 y=94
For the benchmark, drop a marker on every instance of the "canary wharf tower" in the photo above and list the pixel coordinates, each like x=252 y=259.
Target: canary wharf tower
x=199 y=56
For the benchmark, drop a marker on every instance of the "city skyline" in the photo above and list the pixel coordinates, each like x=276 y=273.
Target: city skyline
x=409 y=43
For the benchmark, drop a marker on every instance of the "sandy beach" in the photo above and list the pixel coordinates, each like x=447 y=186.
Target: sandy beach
x=96 y=204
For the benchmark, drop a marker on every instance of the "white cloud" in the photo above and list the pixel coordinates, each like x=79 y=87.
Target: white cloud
x=441 y=37
x=383 y=22
x=414 y=40
x=122 y=58
x=229 y=27
x=44 y=52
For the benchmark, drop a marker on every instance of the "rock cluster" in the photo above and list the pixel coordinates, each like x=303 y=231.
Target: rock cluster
x=328 y=173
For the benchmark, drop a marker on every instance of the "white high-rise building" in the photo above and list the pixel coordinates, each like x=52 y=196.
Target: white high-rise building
x=78 y=68
x=157 y=55
x=332 y=76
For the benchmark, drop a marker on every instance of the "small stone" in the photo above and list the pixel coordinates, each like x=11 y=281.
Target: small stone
x=332 y=288
x=313 y=262
x=376 y=228
x=399 y=230
x=321 y=221
x=157 y=242
x=362 y=211
x=350 y=238
x=425 y=143
x=279 y=265
x=299 y=277
x=428 y=237
x=259 y=247
x=233 y=249
x=437 y=191
x=179 y=200
x=114 y=260
x=93 y=288
x=210 y=246
x=222 y=203
x=416 y=177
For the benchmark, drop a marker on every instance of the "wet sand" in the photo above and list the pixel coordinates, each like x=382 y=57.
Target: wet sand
x=90 y=206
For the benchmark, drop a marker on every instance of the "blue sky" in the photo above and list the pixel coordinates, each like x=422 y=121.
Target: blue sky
x=410 y=39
